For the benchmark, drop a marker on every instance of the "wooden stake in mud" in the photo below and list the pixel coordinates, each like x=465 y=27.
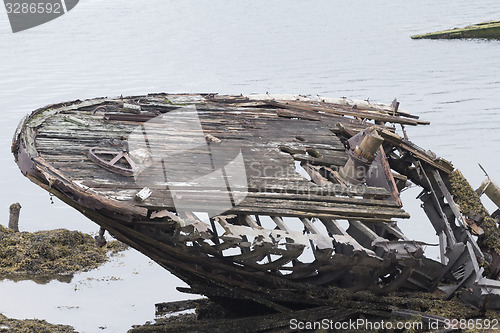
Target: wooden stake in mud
x=14 y=209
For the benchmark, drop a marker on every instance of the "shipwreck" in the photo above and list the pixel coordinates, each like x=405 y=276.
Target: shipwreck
x=260 y=202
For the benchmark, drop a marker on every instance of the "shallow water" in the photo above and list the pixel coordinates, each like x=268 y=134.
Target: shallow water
x=359 y=49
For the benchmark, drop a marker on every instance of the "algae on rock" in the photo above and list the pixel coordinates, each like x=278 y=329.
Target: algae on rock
x=50 y=252
x=31 y=326
x=470 y=203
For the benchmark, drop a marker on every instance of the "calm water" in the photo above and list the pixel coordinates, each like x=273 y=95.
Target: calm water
x=359 y=49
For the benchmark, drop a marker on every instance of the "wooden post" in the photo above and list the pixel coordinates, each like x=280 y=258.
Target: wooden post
x=14 y=209
x=100 y=240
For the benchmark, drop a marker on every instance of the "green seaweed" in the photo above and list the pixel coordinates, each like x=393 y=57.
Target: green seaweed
x=50 y=252
x=31 y=326
x=482 y=30
x=470 y=204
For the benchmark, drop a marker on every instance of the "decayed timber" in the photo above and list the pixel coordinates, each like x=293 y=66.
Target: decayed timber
x=241 y=196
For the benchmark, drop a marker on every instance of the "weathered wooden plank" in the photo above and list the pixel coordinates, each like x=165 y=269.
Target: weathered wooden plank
x=283 y=185
x=110 y=186
x=274 y=131
x=329 y=160
x=338 y=110
x=278 y=207
x=334 y=208
x=292 y=127
x=332 y=102
x=424 y=156
x=258 y=181
x=329 y=146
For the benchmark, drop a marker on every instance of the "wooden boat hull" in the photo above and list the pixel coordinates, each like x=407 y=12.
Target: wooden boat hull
x=266 y=240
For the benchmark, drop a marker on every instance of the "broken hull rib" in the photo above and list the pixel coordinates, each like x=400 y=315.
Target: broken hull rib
x=145 y=167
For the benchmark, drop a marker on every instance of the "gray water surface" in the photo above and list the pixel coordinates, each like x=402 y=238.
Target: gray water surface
x=359 y=49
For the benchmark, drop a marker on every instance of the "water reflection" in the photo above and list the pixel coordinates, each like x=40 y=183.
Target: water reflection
x=39 y=279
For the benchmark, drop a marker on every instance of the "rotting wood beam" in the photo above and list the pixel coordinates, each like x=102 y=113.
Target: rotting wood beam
x=300 y=106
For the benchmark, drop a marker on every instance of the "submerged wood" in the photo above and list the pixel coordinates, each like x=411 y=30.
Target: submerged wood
x=488 y=30
x=240 y=196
